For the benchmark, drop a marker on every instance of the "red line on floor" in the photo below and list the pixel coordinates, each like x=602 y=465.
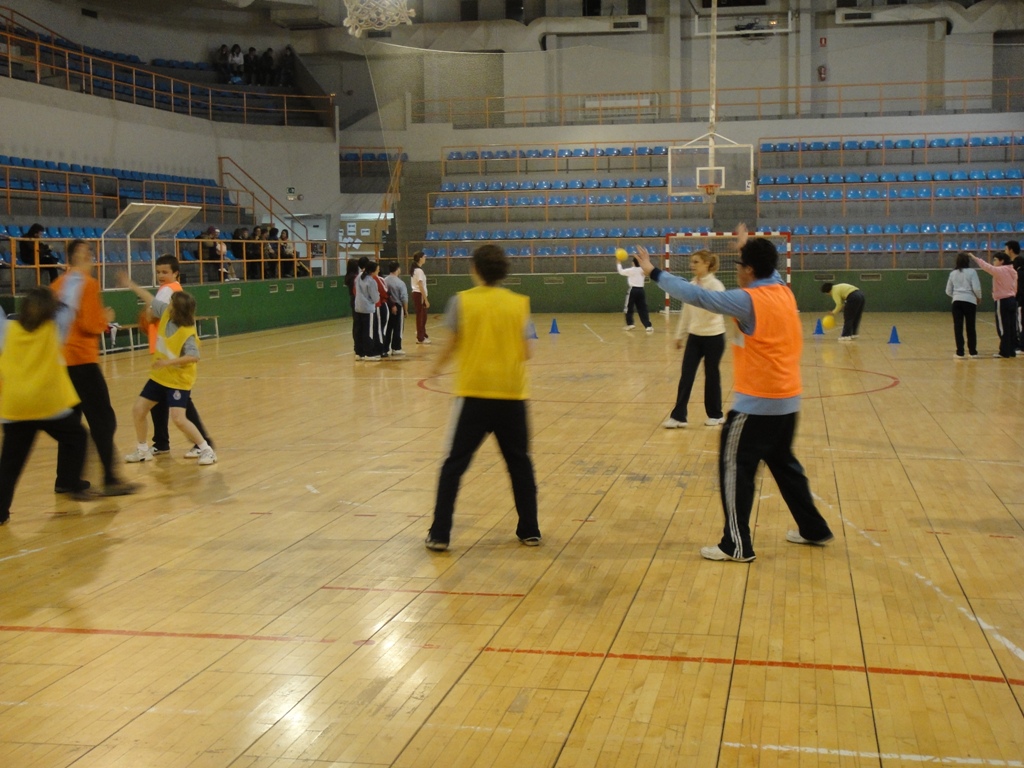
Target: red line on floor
x=426 y=591
x=763 y=663
x=150 y=633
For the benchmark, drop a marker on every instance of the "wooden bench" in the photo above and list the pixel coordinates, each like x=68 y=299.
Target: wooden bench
x=134 y=331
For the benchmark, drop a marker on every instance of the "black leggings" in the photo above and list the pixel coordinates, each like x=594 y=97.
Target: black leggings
x=18 y=439
x=95 y=406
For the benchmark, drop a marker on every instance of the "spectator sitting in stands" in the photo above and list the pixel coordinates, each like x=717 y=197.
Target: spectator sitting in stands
x=33 y=251
x=221 y=63
x=253 y=255
x=286 y=68
x=250 y=63
x=265 y=68
x=236 y=65
x=272 y=253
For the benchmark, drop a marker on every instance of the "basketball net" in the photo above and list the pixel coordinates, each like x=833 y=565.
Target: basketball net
x=376 y=14
x=710 y=193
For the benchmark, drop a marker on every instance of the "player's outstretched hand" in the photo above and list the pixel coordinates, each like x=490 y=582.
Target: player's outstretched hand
x=741 y=235
x=123 y=279
x=644 y=258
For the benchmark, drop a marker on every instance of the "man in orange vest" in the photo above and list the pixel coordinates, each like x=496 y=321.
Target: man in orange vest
x=80 y=291
x=767 y=343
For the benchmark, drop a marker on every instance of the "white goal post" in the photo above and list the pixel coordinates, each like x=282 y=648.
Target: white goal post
x=680 y=245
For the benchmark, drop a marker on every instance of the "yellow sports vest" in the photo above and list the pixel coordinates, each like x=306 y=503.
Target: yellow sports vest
x=36 y=384
x=492 y=343
x=173 y=376
x=768 y=362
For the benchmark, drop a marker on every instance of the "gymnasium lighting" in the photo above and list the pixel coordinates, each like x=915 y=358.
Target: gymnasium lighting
x=376 y=14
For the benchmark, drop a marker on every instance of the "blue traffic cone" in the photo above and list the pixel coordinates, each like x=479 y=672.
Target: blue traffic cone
x=894 y=338
x=818 y=330
x=533 y=331
x=554 y=326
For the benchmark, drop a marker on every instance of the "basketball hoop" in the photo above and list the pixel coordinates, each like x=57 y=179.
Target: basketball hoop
x=710 y=192
x=376 y=14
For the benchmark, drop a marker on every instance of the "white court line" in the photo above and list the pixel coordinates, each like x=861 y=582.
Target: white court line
x=312 y=489
x=932 y=759
x=592 y=331
x=1001 y=639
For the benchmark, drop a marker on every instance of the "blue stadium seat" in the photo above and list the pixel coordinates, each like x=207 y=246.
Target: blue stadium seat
x=802 y=178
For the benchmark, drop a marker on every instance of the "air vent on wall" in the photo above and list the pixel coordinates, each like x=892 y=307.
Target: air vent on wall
x=857 y=16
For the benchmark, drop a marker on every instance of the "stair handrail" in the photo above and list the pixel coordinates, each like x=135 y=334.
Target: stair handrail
x=226 y=168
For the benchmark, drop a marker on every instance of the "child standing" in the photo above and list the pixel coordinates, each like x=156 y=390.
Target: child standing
x=167 y=270
x=964 y=288
x=1004 y=291
x=419 y=297
x=398 y=304
x=705 y=332
x=172 y=377
x=38 y=395
x=364 y=314
x=491 y=329
x=637 y=296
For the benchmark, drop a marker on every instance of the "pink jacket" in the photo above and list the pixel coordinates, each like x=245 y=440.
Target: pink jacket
x=1004 y=278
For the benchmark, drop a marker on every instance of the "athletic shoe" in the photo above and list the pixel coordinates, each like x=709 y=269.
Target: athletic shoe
x=157 y=451
x=425 y=341
x=714 y=422
x=628 y=327
x=794 y=537
x=530 y=541
x=714 y=553
x=207 y=457
x=120 y=488
x=360 y=357
x=974 y=356
x=435 y=546
x=650 y=329
x=959 y=357
x=85 y=484
x=193 y=452
x=846 y=338
x=671 y=423
x=85 y=494
x=373 y=359
x=397 y=352
x=139 y=455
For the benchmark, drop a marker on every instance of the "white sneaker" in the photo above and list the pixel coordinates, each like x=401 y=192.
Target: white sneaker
x=650 y=329
x=628 y=327
x=397 y=352
x=193 y=452
x=846 y=338
x=372 y=359
x=206 y=457
x=139 y=455
x=714 y=422
x=714 y=553
x=794 y=537
x=671 y=423
x=425 y=341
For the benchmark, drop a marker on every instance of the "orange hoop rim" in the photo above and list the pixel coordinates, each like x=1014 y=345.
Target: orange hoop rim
x=711 y=190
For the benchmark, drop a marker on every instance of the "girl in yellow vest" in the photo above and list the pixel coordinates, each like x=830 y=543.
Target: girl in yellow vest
x=37 y=394
x=172 y=377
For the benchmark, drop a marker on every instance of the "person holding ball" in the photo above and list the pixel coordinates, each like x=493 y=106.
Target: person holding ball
x=850 y=299
x=762 y=422
x=636 y=299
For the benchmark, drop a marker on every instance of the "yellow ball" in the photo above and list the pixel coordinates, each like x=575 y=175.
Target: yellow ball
x=620 y=254
x=828 y=322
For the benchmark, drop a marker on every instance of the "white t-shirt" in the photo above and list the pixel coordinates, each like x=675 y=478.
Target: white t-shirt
x=419 y=281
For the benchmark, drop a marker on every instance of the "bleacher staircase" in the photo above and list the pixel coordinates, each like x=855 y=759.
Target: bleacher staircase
x=418 y=180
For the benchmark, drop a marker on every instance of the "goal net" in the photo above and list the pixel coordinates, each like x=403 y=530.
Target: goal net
x=680 y=246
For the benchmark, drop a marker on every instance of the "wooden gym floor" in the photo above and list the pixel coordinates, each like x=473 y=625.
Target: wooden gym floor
x=279 y=609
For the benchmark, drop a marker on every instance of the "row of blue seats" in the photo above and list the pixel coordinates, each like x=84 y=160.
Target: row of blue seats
x=892 y=246
x=637 y=198
x=58 y=187
x=904 y=193
x=44 y=37
x=927 y=228
x=373 y=157
x=563 y=233
x=213 y=197
x=201 y=66
x=85 y=233
x=120 y=173
x=870 y=144
x=992 y=174
x=533 y=154
x=556 y=184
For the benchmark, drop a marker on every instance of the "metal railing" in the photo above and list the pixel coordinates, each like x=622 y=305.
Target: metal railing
x=682 y=106
x=46 y=59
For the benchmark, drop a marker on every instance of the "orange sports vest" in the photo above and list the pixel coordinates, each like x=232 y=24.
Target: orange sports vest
x=82 y=345
x=152 y=325
x=767 y=364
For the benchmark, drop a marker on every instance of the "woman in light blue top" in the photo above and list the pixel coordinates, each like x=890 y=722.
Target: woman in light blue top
x=964 y=288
